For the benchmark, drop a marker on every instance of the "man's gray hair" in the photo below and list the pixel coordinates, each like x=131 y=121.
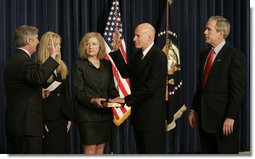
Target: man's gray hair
x=222 y=24
x=24 y=32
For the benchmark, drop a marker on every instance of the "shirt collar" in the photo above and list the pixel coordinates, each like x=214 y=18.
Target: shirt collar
x=147 y=50
x=25 y=51
x=219 y=47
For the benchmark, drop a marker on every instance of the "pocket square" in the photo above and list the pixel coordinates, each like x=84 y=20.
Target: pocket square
x=218 y=60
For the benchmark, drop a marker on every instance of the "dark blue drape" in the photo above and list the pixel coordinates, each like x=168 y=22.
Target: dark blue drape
x=73 y=18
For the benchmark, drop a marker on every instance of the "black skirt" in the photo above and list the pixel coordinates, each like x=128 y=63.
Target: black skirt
x=55 y=141
x=95 y=132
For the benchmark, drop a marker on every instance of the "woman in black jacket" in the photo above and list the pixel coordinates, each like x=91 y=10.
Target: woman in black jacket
x=93 y=83
x=56 y=102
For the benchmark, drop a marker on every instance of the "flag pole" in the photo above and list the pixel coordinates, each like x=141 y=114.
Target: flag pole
x=116 y=28
x=167 y=45
x=167 y=25
x=115 y=15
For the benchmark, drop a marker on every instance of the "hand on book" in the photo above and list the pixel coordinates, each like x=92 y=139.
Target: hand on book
x=118 y=100
x=98 y=102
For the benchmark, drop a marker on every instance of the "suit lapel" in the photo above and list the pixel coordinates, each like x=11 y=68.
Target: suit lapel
x=141 y=64
x=136 y=65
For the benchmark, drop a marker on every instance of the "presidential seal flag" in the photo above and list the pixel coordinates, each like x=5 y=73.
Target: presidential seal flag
x=168 y=41
x=120 y=114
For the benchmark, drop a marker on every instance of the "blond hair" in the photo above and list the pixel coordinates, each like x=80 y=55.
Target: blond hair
x=43 y=53
x=83 y=50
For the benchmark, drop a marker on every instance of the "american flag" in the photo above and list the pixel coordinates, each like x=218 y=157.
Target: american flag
x=120 y=114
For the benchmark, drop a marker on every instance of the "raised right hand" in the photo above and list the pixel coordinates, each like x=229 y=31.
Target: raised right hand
x=116 y=41
x=52 y=49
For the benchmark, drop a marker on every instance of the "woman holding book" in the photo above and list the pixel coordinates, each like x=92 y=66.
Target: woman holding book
x=93 y=84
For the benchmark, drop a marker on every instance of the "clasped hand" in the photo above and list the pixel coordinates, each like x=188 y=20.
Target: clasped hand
x=118 y=100
x=45 y=93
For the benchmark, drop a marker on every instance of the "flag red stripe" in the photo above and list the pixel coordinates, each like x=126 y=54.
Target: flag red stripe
x=115 y=114
x=120 y=84
x=123 y=52
x=123 y=109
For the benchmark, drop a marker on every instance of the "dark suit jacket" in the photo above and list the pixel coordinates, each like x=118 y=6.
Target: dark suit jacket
x=148 y=84
x=57 y=105
x=23 y=80
x=90 y=82
x=224 y=91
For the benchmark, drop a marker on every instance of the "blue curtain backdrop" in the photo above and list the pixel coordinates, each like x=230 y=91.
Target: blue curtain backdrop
x=73 y=18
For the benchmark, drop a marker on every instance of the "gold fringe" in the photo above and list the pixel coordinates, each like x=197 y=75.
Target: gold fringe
x=177 y=115
x=169 y=127
x=123 y=118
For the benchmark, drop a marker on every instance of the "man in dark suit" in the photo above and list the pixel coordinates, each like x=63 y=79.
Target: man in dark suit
x=23 y=79
x=221 y=87
x=147 y=72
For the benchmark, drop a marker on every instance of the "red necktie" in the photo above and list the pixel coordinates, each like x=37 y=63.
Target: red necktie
x=208 y=67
